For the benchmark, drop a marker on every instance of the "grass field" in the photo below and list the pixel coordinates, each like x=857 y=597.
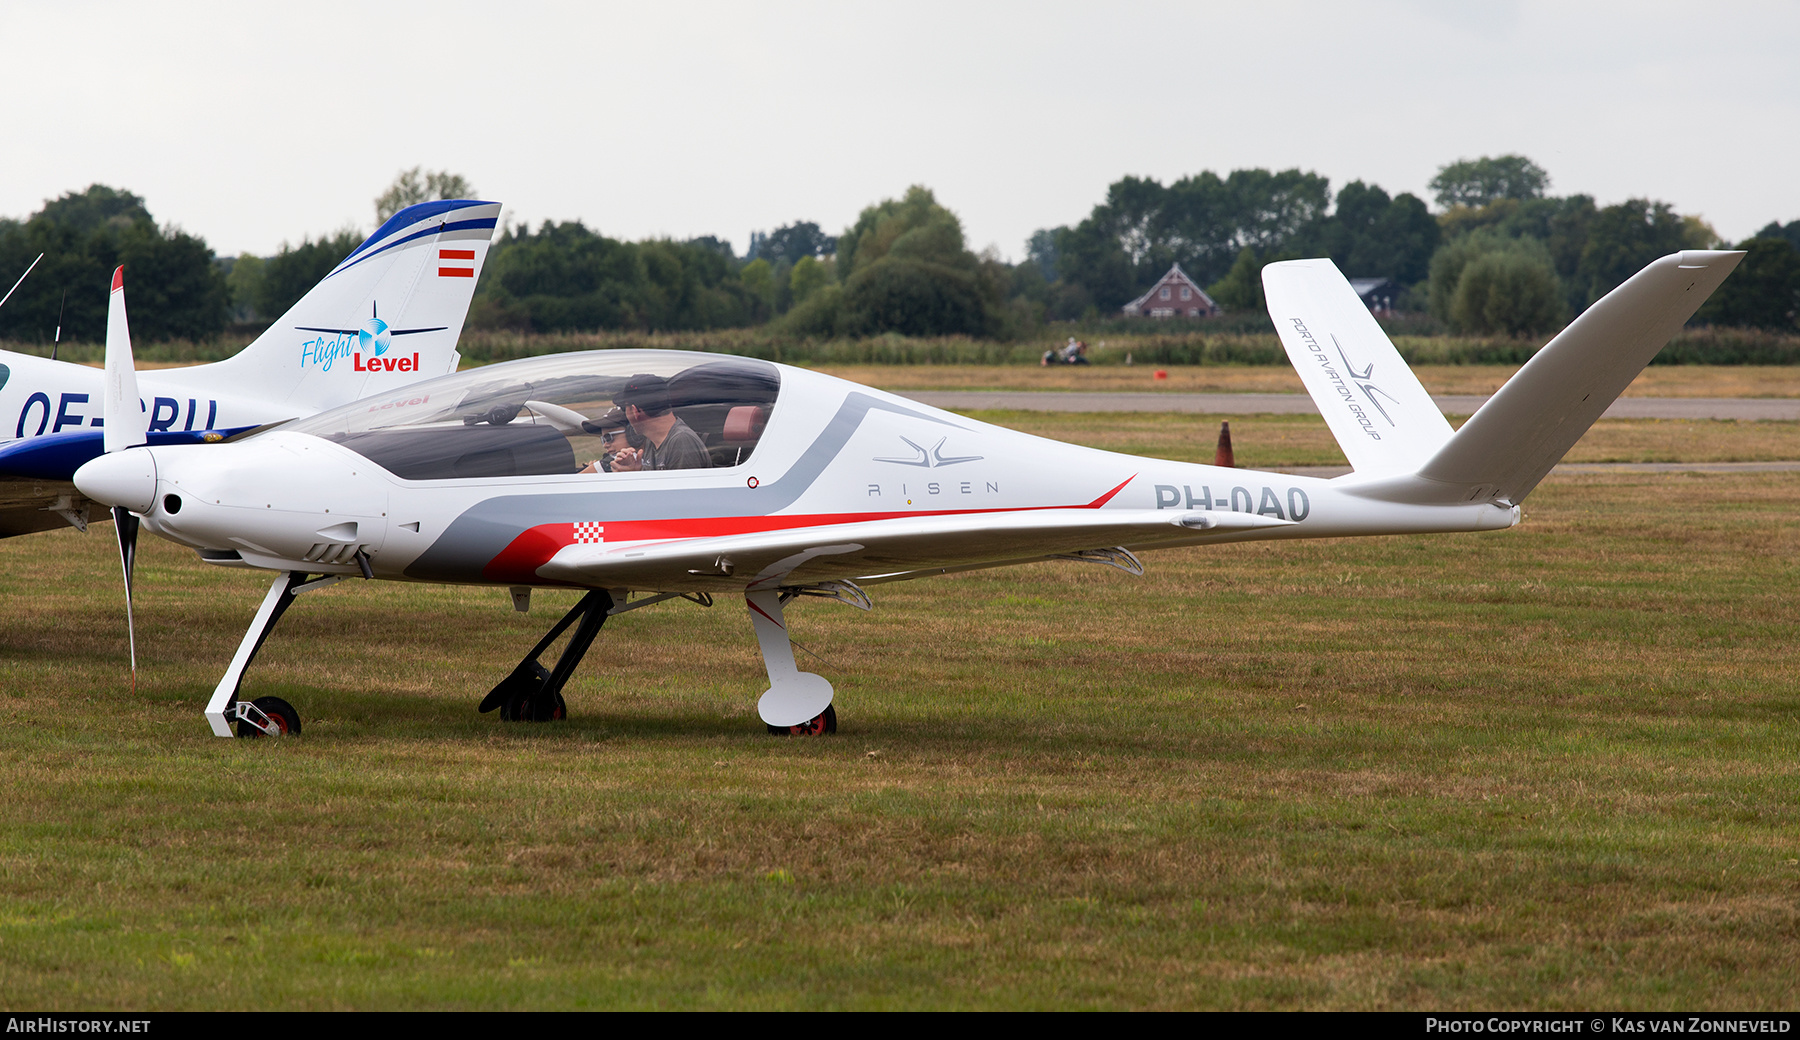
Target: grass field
x=1552 y=767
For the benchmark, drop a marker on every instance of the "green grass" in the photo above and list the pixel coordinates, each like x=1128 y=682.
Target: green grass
x=1552 y=767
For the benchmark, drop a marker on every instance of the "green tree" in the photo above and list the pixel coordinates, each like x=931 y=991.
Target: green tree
x=176 y=288
x=1477 y=182
x=759 y=280
x=416 y=185
x=1789 y=232
x=1764 y=291
x=914 y=298
x=1512 y=292
x=1560 y=224
x=808 y=277
x=1621 y=240
x=907 y=270
x=792 y=242
x=1203 y=222
x=244 y=284
x=1040 y=250
x=1479 y=309
x=913 y=227
x=292 y=273
x=86 y=212
x=1370 y=234
x=564 y=277
x=1241 y=289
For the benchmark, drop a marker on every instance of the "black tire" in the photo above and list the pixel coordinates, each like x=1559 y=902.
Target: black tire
x=517 y=707
x=823 y=724
x=533 y=706
x=280 y=712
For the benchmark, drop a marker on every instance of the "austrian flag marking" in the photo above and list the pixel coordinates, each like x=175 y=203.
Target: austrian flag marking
x=589 y=532
x=456 y=263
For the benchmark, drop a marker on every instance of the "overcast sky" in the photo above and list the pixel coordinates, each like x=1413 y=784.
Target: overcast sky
x=253 y=124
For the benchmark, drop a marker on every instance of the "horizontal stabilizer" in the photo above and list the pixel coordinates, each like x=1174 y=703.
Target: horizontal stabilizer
x=1526 y=428
x=879 y=547
x=1380 y=414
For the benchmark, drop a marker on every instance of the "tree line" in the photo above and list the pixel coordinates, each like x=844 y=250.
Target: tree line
x=1500 y=255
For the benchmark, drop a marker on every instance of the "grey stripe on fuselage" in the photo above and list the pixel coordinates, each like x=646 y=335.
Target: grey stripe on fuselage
x=477 y=536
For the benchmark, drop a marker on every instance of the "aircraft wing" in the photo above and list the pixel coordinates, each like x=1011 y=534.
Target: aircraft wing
x=28 y=505
x=887 y=549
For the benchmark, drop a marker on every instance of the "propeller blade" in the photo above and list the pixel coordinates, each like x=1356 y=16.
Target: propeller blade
x=127 y=526
x=126 y=425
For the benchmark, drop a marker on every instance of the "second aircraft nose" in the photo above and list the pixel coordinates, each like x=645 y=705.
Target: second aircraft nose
x=122 y=478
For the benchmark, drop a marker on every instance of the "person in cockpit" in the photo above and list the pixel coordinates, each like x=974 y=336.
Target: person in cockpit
x=669 y=443
x=615 y=436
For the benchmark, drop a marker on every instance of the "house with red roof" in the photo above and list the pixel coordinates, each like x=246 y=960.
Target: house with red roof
x=1175 y=295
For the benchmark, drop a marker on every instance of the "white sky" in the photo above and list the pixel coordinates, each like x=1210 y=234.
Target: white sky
x=251 y=124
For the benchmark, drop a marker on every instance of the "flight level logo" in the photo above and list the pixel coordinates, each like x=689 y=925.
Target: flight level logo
x=365 y=346
x=930 y=458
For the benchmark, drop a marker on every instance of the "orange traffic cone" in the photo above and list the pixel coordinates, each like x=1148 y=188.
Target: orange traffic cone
x=1224 y=457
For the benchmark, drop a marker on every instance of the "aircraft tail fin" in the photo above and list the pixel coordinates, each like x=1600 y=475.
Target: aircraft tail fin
x=1525 y=429
x=1379 y=412
x=389 y=314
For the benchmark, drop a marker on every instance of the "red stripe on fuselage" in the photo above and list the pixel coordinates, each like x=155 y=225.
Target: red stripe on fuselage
x=534 y=547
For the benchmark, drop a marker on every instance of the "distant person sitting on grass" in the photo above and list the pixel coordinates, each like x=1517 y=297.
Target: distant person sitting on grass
x=669 y=443
x=1075 y=353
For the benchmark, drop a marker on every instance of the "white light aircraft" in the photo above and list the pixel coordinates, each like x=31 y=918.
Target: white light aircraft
x=801 y=484
x=388 y=315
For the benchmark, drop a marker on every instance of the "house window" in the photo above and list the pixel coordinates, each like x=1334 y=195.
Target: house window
x=1165 y=293
x=1186 y=293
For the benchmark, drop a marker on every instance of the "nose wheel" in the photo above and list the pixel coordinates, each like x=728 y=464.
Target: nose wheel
x=266 y=717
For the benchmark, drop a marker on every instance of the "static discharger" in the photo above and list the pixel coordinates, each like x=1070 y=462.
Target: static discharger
x=1223 y=457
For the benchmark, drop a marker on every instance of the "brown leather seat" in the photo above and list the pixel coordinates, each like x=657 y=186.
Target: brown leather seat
x=744 y=424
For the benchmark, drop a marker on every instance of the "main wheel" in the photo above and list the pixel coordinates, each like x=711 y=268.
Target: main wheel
x=280 y=712
x=533 y=706
x=823 y=723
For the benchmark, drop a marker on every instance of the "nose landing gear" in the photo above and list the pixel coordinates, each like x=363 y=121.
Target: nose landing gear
x=265 y=716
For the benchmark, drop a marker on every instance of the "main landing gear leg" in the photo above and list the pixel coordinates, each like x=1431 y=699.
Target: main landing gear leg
x=533 y=692
x=267 y=716
x=796 y=701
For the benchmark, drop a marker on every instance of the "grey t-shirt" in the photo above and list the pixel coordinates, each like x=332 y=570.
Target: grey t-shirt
x=681 y=449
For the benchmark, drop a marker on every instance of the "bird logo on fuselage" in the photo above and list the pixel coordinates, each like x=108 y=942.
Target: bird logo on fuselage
x=930 y=459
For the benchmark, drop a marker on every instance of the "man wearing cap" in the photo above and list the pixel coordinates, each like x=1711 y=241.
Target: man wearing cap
x=613 y=439
x=669 y=443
